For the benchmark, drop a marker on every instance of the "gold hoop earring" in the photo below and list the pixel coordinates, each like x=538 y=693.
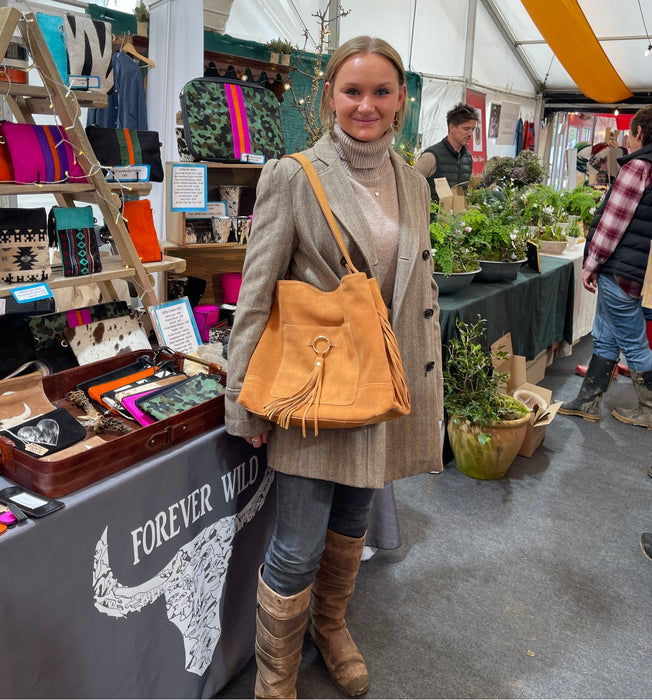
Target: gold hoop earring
x=396 y=123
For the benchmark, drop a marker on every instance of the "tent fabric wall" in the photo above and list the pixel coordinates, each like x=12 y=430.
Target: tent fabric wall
x=429 y=36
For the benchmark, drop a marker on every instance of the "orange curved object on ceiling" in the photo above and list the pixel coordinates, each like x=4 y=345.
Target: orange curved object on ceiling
x=566 y=31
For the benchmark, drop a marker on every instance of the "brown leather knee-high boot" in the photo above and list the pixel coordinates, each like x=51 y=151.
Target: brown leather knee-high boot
x=331 y=592
x=280 y=627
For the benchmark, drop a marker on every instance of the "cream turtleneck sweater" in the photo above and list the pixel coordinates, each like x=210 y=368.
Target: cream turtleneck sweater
x=370 y=170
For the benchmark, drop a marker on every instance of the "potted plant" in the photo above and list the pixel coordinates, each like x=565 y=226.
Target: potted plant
x=456 y=263
x=552 y=239
x=500 y=237
x=582 y=201
x=142 y=18
x=486 y=427
x=280 y=51
x=575 y=233
x=524 y=169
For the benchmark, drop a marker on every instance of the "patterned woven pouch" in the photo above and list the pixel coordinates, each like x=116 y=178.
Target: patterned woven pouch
x=24 y=255
x=73 y=229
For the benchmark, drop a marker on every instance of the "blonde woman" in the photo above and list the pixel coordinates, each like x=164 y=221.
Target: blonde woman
x=326 y=483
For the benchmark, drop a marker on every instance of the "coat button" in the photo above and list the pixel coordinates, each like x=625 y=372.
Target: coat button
x=429 y=313
x=425 y=255
x=430 y=366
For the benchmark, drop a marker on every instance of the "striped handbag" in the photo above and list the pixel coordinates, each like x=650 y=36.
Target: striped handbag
x=41 y=154
x=127 y=147
x=231 y=122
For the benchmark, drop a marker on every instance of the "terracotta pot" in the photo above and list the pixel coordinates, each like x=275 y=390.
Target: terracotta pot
x=493 y=459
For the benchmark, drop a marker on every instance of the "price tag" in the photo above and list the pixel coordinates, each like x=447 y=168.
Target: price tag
x=32 y=292
x=128 y=173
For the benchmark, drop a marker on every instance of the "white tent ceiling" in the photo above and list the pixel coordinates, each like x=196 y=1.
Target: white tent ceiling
x=505 y=52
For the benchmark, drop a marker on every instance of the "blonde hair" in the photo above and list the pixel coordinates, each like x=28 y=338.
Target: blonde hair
x=353 y=47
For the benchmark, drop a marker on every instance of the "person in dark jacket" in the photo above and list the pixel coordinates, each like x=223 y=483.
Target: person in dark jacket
x=615 y=261
x=451 y=158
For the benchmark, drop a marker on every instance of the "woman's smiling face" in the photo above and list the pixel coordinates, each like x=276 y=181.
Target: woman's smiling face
x=366 y=95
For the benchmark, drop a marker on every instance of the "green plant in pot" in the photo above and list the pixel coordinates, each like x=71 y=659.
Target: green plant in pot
x=582 y=201
x=141 y=11
x=448 y=237
x=501 y=234
x=280 y=48
x=552 y=232
x=524 y=169
x=543 y=205
x=486 y=427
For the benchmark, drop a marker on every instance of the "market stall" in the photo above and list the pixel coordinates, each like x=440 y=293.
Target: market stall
x=144 y=584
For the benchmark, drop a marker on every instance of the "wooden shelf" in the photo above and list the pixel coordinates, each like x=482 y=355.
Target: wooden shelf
x=112 y=268
x=75 y=189
x=56 y=99
x=36 y=93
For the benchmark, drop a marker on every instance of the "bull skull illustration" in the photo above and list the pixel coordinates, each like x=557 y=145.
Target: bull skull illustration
x=192 y=583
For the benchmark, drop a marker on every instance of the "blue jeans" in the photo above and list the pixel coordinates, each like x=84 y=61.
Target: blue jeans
x=305 y=509
x=619 y=324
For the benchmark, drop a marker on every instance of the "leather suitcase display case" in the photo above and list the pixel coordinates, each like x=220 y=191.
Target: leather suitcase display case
x=56 y=478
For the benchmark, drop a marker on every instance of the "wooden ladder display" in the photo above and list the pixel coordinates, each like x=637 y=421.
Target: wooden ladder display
x=56 y=98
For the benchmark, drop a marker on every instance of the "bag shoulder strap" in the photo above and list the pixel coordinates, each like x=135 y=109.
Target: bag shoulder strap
x=318 y=189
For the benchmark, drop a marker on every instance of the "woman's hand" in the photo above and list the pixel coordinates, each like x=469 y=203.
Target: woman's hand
x=257 y=440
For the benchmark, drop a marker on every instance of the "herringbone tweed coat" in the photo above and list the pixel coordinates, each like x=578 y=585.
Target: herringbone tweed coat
x=289 y=233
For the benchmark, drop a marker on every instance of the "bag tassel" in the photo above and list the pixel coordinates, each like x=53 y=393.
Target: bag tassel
x=401 y=390
x=308 y=395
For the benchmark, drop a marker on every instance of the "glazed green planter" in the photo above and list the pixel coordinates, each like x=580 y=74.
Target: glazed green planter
x=493 y=459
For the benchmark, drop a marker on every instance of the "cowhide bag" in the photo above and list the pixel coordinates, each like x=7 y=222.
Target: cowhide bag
x=104 y=339
x=89 y=49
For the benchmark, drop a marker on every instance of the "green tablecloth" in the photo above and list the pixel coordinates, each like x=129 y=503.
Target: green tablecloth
x=536 y=308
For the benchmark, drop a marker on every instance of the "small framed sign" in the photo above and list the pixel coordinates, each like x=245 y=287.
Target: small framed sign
x=175 y=325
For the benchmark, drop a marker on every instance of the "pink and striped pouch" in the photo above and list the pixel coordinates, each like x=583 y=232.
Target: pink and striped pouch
x=41 y=154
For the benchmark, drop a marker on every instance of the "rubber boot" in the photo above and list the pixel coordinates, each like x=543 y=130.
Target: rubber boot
x=646 y=544
x=331 y=592
x=280 y=627
x=596 y=382
x=642 y=414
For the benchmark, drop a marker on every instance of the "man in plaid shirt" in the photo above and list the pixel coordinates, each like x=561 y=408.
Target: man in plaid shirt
x=615 y=261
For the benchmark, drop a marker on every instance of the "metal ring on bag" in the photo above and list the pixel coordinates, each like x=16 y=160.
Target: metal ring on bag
x=328 y=344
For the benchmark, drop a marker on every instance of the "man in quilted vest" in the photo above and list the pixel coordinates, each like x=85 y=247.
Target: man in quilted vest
x=615 y=263
x=451 y=158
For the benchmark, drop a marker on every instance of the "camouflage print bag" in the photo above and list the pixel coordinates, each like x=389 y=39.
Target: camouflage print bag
x=182 y=396
x=229 y=121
